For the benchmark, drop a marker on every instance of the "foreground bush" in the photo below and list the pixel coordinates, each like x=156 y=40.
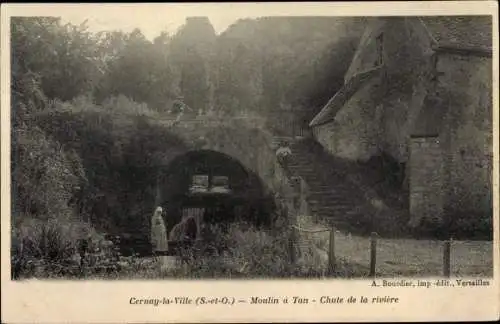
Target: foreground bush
x=46 y=248
x=248 y=253
x=49 y=250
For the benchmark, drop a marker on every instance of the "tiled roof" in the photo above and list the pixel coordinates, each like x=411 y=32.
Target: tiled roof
x=342 y=96
x=461 y=31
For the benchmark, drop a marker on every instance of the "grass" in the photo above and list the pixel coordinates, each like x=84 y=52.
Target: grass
x=409 y=257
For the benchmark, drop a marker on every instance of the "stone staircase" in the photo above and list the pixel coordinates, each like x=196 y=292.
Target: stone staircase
x=332 y=199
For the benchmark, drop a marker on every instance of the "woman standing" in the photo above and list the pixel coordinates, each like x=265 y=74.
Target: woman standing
x=159 y=239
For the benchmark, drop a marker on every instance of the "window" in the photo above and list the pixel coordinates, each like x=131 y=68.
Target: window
x=199 y=183
x=380 y=49
x=203 y=183
x=220 y=184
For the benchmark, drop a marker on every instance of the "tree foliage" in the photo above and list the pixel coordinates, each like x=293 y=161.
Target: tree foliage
x=65 y=57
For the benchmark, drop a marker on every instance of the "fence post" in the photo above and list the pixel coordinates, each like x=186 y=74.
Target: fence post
x=373 y=253
x=446 y=258
x=331 y=255
x=291 y=245
x=292 y=238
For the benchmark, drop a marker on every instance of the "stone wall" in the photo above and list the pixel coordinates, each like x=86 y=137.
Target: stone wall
x=366 y=52
x=380 y=116
x=425 y=177
x=468 y=140
x=243 y=140
x=365 y=126
x=408 y=64
x=354 y=134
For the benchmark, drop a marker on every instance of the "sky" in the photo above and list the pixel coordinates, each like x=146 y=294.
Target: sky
x=151 y=20
x=150 y=26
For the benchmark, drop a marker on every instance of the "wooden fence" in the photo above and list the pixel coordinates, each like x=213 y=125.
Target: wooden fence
x=332 y=260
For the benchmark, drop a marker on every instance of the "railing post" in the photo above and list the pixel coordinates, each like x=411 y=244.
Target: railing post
x=373 y=253
x=331 y=255
x=446 y=258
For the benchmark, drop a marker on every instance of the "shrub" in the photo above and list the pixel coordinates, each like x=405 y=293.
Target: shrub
x=46 y=248
x=471 y=225
x=246 y=252
x=45 y=176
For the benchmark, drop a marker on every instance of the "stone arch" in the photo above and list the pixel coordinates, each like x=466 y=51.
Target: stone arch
x=246 y=142
x=248 y=198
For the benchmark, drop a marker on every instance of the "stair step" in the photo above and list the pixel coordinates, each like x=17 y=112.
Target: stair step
x=335 y=204
x=333 y=197
x=342 y=215
x=328 y=195
x=304 y=165
x=332 y=207
x=328 y=202
x=326 y=186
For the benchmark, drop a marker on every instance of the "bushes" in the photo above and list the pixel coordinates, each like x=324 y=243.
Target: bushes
x=45 y=176
x=45 y=248
x=245 y=252
x=471 y=225
x=49 y=249
x=460 y=226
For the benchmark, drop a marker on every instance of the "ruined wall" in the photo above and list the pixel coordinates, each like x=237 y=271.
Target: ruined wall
x=468 y=143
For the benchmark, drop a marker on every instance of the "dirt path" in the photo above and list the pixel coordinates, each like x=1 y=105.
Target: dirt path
x=408 y=257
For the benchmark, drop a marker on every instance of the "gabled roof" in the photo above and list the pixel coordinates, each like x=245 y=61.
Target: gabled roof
x=460 y=31
x=342 y=96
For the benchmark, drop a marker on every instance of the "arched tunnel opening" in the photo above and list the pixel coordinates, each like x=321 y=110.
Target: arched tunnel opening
x=215 y=188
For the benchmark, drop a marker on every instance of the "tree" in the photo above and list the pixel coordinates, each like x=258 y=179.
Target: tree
x=64 y=57
x=193 y=83
x=137 y=68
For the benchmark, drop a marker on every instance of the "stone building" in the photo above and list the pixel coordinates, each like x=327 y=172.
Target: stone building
x=420 y=90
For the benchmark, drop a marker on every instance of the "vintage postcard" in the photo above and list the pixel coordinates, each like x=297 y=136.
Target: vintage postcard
x=250 y=162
